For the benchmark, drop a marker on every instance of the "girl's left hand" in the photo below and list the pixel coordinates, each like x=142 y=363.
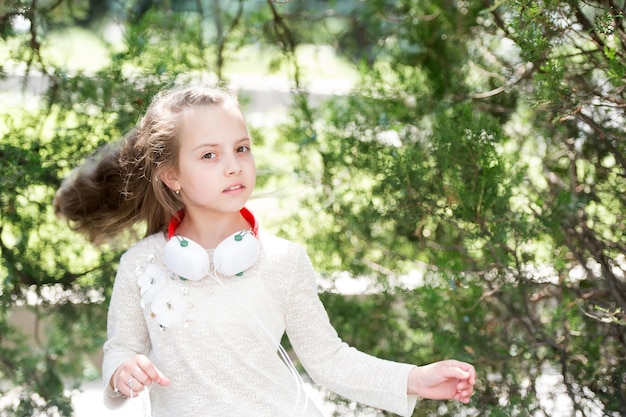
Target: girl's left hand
x=444 y=380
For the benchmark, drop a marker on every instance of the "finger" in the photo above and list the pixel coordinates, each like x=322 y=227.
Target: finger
x=467 y=369
x=134 y=378
x=151 y=373
x=463 y=396
x=131 y=379
x=454 y=371
x=470 y=369
x=163 y=380
x=118 y=380
x=464 y=384
x=134 y=386
x=464 y=392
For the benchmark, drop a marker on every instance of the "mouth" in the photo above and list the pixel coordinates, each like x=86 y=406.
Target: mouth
x=235 y=187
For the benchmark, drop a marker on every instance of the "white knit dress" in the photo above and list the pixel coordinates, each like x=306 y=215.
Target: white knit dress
x=216 y=340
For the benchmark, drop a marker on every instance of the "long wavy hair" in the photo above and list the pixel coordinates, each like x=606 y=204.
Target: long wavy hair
x=120 y=186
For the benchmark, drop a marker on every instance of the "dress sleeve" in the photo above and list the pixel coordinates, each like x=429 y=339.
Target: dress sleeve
x=127 y=334
x=330 y=361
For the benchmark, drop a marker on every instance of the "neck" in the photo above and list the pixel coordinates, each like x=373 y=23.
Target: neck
x=209 y=229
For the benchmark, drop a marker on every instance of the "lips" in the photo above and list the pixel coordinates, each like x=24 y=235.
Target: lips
x=235 y=187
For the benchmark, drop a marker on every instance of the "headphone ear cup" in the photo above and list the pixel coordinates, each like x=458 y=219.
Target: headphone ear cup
x=186 y=258
x=236 y=253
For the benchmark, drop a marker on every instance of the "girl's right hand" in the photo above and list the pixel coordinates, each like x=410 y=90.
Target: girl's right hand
x=134 y=375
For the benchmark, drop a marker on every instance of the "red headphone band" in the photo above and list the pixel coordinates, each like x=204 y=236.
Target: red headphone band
x=174 y=223
x=177 y=218
x=247 y=214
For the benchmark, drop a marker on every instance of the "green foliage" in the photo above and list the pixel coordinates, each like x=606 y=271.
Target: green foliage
x=500 y=189
x=482 y=147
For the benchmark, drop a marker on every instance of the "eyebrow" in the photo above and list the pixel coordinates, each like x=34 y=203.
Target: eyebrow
x=217 y=145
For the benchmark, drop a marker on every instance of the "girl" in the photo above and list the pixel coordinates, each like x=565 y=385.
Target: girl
x=200 y=304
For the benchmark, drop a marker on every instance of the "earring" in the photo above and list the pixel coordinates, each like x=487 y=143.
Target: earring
x=177 y=192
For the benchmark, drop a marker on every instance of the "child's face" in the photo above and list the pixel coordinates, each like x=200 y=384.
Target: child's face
x=216 y=169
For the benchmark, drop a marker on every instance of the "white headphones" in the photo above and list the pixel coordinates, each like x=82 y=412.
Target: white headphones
x=232 y=256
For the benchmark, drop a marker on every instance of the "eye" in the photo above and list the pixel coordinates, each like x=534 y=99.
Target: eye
x=209 y=155
x=243 y=148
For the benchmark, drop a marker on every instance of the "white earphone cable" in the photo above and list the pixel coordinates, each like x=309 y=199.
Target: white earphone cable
x=281 y=350
x=141 y=401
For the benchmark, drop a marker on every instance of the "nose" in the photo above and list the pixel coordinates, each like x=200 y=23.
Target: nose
x=233 y=166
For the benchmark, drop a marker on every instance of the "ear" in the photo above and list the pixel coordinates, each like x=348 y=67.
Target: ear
x=170 y=178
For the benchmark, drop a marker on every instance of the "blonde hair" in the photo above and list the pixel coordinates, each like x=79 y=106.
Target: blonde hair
x=120 y=185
